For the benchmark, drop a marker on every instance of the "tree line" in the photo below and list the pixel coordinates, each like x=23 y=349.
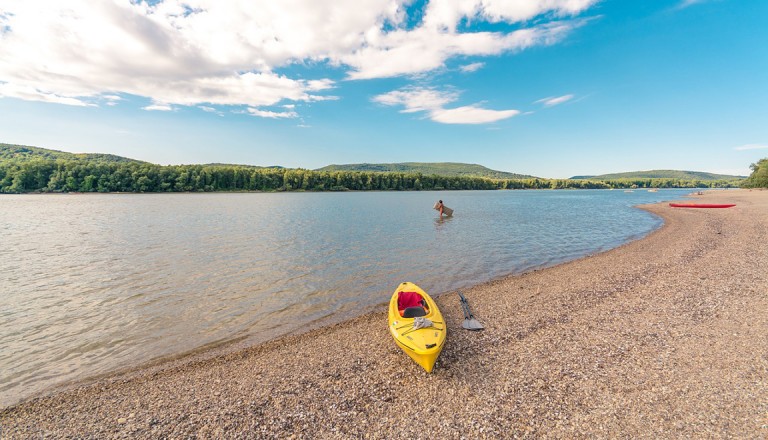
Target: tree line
x=67 y=175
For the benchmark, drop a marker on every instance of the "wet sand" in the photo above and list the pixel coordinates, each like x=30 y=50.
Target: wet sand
x=665 y=337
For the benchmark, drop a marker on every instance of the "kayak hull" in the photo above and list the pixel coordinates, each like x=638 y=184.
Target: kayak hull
x=702 y=205
x=422 y=345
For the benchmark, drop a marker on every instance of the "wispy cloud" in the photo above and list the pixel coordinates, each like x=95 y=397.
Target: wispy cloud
x=470 y=114
x=687 y=3
x=208 y=109
x=751 y=147
x=271 y=114
x=226 y=53
x=112 y=100
x=683 y=4
x=469 y=68
x=434 y=103
x=31 y=93
x=553 y=101
x=159 y=107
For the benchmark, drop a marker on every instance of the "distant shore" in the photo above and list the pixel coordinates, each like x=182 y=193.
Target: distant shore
x=666 y=336
x=693 y=190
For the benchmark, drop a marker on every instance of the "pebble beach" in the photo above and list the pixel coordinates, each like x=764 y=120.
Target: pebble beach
x=663 y=337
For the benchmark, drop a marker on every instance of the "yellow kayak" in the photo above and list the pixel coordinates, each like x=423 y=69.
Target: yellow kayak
x=417 y=324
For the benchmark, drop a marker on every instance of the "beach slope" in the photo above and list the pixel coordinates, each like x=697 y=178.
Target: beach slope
x=664 y=337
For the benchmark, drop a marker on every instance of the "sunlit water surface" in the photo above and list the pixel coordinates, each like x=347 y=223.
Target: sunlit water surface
x=94 y=283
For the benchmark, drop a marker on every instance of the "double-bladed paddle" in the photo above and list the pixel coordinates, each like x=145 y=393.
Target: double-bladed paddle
x=470 y=323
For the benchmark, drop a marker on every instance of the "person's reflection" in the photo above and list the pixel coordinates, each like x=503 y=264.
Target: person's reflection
x=440 y=222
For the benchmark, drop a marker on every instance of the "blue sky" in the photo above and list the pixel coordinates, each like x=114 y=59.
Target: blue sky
x=552 y=88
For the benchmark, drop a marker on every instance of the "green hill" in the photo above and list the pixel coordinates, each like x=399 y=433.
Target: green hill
x=24 y=153
x=451 y=169
x=662 y=174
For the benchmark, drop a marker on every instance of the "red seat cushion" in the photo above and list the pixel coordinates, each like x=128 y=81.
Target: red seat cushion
x=408 y=299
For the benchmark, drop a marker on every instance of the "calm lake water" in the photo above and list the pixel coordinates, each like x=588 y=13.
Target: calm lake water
x=93 y=283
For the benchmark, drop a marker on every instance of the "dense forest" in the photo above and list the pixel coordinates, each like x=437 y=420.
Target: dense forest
x=23 y=170
x=102 y=176
x=759 y=176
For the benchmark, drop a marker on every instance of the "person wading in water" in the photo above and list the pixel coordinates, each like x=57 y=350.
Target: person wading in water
x=443 y=209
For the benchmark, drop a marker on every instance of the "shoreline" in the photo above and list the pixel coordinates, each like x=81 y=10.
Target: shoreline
x=40 y=384
x=308 y=191
x=605 y=345
x=225 y=346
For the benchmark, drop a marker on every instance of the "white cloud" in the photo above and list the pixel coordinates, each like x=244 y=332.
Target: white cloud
x=751 y=147
x=433 y=102
x=470 y=114
x=448 y=14
x=474 y=67
x=208 y=109
x=553 y=101
x=158 y=108
x=112 y=100
x=30 y=93
x=80 y=50
x=404 y=52
x=227 y=52
x=271 y=114
x=416 y=100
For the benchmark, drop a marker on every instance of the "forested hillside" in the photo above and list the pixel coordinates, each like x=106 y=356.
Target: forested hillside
x=101 y=176
x=30 y=169
x=23 y=153
x=662 y=174
x=451 y=169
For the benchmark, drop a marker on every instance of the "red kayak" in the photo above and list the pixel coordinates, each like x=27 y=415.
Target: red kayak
x=701 y=205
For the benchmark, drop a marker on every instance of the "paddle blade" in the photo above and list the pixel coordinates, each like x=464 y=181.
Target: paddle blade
x=472 y=324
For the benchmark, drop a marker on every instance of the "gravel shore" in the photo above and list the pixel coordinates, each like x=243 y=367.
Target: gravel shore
x=665 y=337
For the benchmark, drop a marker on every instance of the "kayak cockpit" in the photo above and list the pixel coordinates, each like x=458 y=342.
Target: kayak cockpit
x=413 y=312
x=411 y=305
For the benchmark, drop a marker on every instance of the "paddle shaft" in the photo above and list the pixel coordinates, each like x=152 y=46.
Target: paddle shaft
x=470 y=323
x=465 y=309
x=465 y=303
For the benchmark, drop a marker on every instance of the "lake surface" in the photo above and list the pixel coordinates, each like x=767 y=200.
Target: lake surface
x=92 y=283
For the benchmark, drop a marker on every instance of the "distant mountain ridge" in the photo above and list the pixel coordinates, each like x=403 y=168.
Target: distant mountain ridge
x=661 y=174
x=217 y=164
x=450 y=169
x=25 y=152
